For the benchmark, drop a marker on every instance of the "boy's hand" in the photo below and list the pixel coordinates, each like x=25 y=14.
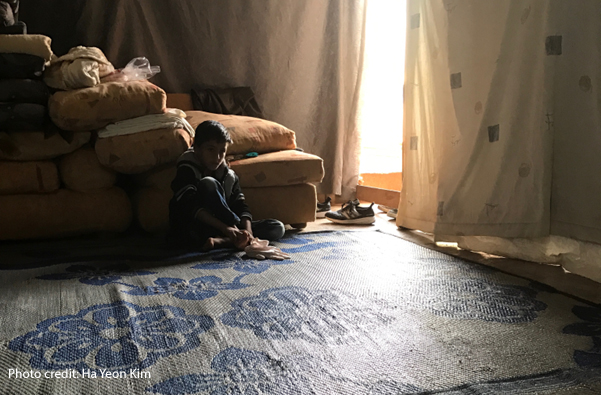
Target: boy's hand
x=243 y=240
x=232 y=233
x=240 y=238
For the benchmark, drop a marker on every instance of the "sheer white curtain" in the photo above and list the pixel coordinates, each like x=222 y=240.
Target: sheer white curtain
x=477 y=151
x=501 y=127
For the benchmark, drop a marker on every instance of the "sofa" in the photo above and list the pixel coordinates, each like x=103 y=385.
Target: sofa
x=278 y=183
x=69 y=178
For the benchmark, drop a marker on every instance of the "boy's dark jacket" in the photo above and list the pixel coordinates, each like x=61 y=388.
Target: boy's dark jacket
x=186 y=202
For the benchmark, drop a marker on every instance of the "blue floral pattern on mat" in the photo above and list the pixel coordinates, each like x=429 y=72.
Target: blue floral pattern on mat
x=239 y=371
x=309 y=247
x=296 y=240
x=92 y=275
x=295 y=312
x=476 y=299
x=591 y=327
x=304 y=244
x=224 y=260
x=195 y=289
x=119 y=335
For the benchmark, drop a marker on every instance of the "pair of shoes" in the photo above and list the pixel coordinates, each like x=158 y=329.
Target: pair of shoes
x=352 y=213
x=392 y=213
x=323 y=208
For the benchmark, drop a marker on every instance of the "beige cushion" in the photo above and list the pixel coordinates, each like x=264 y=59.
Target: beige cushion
x=28 y=177
x=151 y=209
x=63 y=213
x=279 y=168
x=140 y=152
x=159 y=178
x=31 y=44
x=95 y=107
x=249 y=134
x=81 y=171
x=26 y=146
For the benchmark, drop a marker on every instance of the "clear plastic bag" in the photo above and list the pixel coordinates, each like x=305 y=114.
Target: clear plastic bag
x=140 y=69
x=137 y=69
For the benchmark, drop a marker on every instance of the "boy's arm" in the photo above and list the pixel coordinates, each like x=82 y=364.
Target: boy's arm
x=185 y=191
x=246 y=224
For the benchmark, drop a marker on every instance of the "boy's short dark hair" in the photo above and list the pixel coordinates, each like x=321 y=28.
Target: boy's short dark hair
x=211 y=131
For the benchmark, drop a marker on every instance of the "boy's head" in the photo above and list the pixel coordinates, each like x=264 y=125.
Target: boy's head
x=210 y=144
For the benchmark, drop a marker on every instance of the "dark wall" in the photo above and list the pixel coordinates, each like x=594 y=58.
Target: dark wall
x=56 y=19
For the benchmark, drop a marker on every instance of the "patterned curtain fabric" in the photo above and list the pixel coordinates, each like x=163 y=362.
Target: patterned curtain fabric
x=477 y=144
x=501 y=124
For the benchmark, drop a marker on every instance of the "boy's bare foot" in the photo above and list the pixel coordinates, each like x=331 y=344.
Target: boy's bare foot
x=216 y=242
x=208 y=245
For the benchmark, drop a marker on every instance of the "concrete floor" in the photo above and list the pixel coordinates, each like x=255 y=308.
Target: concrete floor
x=554 y=276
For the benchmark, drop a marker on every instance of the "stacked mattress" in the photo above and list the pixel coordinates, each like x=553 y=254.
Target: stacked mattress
x=52 y=183
x=81 y=152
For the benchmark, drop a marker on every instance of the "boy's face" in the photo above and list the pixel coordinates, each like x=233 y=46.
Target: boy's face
x=211 y=154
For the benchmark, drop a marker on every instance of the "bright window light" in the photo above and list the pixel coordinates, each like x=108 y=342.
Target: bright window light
x=382 y=107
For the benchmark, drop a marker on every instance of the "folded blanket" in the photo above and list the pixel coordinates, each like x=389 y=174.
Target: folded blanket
x=23 y=91
x=82 y=67
x=21 y=66
x=172 y=119
x=32 y=44
x=22 y=116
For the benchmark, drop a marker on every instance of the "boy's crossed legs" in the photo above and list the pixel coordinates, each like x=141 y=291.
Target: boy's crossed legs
x=210 y=234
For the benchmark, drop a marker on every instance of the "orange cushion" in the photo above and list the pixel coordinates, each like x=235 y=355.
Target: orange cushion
x=288 y=167
x=81 y=171
x=28 y=177
x=140 y=152
x=94 y=108
x=25 y=146
x=63 y=213
x=249 y=134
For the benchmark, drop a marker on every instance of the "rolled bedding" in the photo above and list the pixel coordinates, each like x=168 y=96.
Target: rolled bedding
x=81 y=171
x=39 y=145
x=28 y=177
x=64 y=213
x=96 y=107
x=21 y=66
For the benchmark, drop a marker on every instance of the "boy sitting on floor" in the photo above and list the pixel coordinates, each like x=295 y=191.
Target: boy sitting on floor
x=208 y=209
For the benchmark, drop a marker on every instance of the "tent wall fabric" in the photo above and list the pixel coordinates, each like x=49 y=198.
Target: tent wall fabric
x=303 y=59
